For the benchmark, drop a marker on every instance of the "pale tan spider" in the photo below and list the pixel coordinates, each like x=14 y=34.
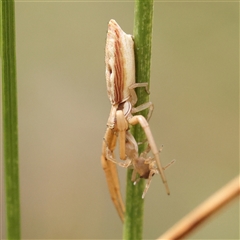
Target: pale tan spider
x=120 y=79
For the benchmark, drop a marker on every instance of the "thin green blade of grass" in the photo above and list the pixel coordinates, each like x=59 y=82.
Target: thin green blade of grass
x=10 y=119
x=143 y=14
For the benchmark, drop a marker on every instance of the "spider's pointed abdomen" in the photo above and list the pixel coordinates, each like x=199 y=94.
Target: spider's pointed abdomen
x=120 y=63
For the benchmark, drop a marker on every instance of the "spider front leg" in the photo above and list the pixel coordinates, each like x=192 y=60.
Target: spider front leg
x=122 y=127
x=110 y=170
x=144 y=124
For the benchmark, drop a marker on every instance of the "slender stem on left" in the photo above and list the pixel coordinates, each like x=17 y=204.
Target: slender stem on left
x=10 y=119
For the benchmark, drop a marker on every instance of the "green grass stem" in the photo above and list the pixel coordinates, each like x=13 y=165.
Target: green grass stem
x=10 y=120
x=143 y=14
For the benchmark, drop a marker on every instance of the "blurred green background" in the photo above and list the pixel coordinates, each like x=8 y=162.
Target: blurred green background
x=63 y=109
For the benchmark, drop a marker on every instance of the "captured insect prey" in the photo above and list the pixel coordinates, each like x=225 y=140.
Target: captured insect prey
x=121 y=85
x=144 y=165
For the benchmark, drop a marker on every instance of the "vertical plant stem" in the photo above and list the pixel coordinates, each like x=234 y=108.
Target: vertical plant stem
x=10 y=123
x=143 y=14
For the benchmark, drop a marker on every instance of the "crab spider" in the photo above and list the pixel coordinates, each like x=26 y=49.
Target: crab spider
x=120 y=79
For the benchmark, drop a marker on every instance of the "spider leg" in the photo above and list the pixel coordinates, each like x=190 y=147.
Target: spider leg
x=111 y=172
x=122 y=126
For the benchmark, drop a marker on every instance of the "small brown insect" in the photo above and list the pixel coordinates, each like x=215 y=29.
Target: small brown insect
x=144 y=165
